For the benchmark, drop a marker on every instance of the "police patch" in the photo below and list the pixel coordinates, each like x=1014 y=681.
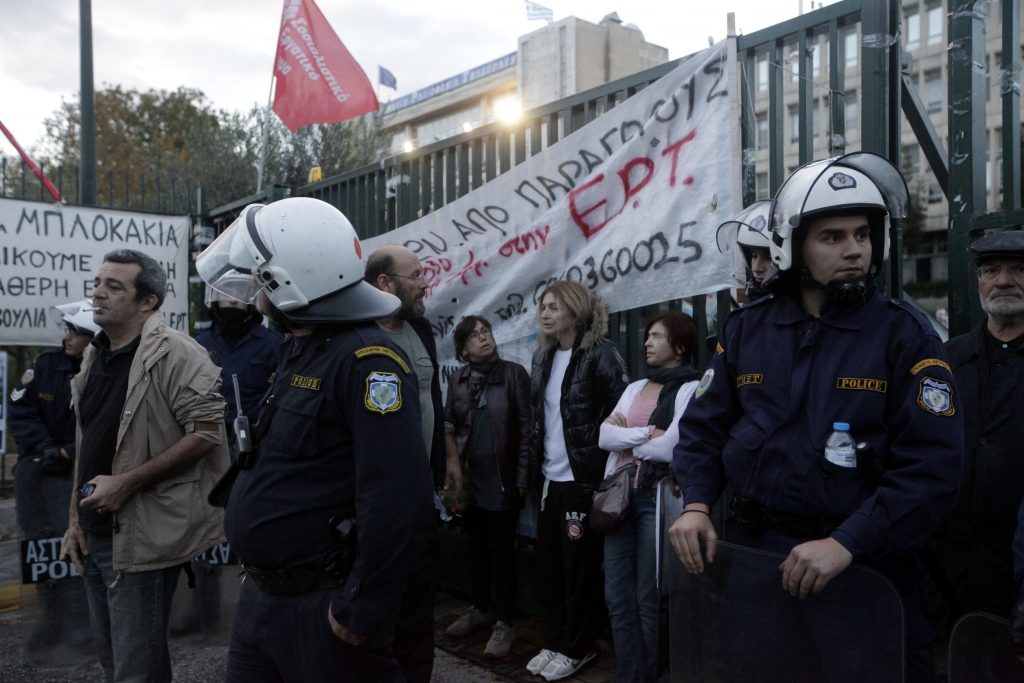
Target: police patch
x=862 y=384
x=928 y=363
x=28 y=376
x=383 y=351
x=17 y=394
x=758 y=223
x=311 y=383
x=383 y=392
x=705 y=382
x=751 y=378
x=936 y=397
x=841 y=181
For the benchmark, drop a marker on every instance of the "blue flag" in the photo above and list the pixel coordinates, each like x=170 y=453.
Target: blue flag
x=387 y=79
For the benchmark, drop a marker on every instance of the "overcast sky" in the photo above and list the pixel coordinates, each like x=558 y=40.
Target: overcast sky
x=225 y=48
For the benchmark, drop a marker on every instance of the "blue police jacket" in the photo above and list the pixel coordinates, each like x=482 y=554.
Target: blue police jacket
x=339 y=437
x=253 y=357
x=40 y=405
x=778 y=381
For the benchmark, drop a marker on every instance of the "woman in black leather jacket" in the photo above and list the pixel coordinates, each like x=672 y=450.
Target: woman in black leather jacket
x=486 y=426
x=578 y=376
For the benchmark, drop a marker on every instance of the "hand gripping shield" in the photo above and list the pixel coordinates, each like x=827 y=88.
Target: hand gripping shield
x=860 y=180
x=306 y=258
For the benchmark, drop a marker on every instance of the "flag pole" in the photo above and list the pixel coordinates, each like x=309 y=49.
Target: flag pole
x=264 y=137
x=54 y=192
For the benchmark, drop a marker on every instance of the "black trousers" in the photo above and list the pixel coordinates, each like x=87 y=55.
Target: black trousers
x=492 y=558
x=414 y=632
x=570 y=559
x=288 y=639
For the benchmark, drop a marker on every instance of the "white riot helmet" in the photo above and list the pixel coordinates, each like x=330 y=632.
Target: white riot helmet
x=305 y=256
x=78 y=316
x=745 y=231
x=860 y=180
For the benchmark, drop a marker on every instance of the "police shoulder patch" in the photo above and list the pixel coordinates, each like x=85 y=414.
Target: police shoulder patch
x=28 y=376
x=17 y=394
x=705 y=382
x=936 y=397
x=928 y=363
x=383 y=351
x=383 y=392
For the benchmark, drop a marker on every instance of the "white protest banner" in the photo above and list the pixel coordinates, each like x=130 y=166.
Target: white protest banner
x=49 y=255
x=628 y=206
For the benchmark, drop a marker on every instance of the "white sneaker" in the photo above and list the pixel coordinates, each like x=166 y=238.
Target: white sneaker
x=540 y=662
x=562 y=667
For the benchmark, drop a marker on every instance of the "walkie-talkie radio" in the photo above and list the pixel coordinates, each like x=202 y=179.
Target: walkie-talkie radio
x=243 y=439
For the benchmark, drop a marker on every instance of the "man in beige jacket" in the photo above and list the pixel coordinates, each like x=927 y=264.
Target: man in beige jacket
x=151 y=445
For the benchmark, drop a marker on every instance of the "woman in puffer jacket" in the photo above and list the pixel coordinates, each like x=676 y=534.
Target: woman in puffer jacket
x=577 y=378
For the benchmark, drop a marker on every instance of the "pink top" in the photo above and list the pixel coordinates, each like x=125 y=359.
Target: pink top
x=639 y=415
x=640 y=411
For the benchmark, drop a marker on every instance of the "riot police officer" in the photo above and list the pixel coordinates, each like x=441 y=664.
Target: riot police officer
x=746 y=237
x=43 y=426
x=826 y=348
x=329 y=514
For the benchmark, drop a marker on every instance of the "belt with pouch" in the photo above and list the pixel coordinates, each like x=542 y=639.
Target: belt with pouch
x=756 y=520
x=293 y=581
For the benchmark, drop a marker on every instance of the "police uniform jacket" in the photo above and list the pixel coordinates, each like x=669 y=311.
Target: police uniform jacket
x=343 y=441
x=765 y=407
x=253 y=357
x=40 y=407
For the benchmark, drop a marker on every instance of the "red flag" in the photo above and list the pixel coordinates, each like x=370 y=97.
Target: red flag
x=318 y=81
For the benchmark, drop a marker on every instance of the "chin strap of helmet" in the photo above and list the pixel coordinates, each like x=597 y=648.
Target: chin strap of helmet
x=842 y=292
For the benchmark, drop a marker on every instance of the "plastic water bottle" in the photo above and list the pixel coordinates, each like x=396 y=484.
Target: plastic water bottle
x=840 y=449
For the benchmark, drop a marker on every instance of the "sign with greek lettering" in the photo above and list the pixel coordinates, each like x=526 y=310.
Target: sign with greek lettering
x=628 y=206
x=50 y=254
x=41 y=561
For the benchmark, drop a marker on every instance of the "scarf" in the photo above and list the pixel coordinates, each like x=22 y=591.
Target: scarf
x=670 y=379
x=479 y=371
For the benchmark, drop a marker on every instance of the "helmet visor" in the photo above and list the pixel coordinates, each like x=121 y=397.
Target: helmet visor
x=886 y=177
x=229 y=264
x=788 y=206
x=76 y=315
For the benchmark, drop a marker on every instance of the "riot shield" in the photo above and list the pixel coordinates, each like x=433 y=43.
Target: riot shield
x=981 y=649
x=53 y=606
x=202 y=613
x=734 y=622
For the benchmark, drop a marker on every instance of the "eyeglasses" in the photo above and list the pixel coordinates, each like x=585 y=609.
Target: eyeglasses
x=990 y=271
x=482 y=333
x=417 y=278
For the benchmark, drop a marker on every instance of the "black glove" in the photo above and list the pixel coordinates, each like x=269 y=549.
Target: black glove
x=53 y=463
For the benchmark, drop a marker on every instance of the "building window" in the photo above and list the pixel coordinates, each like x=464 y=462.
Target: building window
x=762 y=131
x=816 y=60
x=933 y=90
x=794 y=123
x=762 y=75
x=852 y=111
x=761 y=186
x=911 y=159
x=815 y=126
x=936 y=21
x=934 y=193
x=794 y=64
x=913 y=30
x=850 y=46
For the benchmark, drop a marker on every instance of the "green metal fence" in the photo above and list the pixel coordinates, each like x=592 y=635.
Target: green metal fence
x=878 y=91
